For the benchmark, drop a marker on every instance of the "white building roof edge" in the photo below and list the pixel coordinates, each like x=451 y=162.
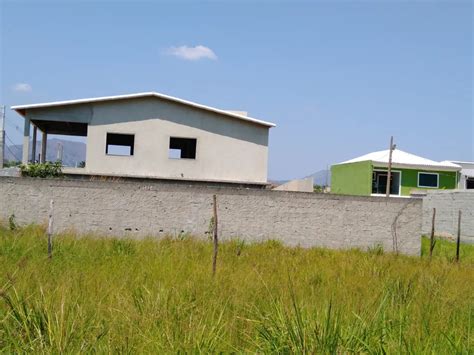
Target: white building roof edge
x=143 y=94
x=417 y=166
x=403 y=159
x=458 y=162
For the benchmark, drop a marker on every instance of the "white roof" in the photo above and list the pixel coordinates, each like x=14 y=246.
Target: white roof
x=462 y=163
x=467 y=167
x=20 y=108
x=403 y=159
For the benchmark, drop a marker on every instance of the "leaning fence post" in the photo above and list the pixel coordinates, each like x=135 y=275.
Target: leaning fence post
x=458 y=241
x=216 y=245
x=432 y=240
x=50 y=230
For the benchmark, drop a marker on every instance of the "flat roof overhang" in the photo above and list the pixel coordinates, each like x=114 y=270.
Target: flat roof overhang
x=62 y=127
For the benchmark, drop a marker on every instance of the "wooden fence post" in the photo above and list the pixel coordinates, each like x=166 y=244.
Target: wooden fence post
x=50 y=230
x=432 y=240
x=458 y=241
x=215 y=237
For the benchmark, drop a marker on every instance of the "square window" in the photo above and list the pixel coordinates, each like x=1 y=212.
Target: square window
x=120 y=144
x=182 y=148
x=428 y=180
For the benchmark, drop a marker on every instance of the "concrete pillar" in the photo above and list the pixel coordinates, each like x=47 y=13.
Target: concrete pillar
x=59 y=152
x=44 y=141
x=33 y=144
x=26 y=141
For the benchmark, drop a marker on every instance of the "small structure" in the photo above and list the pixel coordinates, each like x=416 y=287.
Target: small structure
x=367 y=175
x=155 y=136
x=298 y=185
x=466 y=179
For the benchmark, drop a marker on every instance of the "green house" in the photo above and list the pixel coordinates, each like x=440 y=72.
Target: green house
x=367 y=175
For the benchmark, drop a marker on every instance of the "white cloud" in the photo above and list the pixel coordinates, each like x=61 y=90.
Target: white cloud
x=22 y=87
x=192 y=53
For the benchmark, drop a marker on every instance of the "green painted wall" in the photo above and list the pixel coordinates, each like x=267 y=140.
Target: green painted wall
x=447 y=180
x=356 y=179
x=352 y=179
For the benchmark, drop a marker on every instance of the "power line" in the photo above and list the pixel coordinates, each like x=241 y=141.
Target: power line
x=14 y=156
x=11 y=142
x=13 y=126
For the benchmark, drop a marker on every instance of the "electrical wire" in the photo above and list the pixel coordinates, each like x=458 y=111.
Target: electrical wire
x=13 y=154
x=8 y=148
x=13 y=125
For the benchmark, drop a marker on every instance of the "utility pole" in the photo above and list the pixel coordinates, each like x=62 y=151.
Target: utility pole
x=389 y=173
x=59 y=152
x=2 y=137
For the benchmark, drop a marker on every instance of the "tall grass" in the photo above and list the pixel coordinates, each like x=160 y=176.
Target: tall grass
x=120 y=295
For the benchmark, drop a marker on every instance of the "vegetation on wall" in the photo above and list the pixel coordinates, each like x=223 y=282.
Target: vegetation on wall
x=118 y=295
x=11 y=163
x=318 y=188
x=42 y=170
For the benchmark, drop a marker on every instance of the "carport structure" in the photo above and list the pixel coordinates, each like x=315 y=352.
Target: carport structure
x=49 y=120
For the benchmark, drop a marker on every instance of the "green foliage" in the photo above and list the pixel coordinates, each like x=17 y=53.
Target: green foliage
x=12 y=222
x=42 y=170
x=11 y=163
x=377 y=249
x=110 y=295
x=318 y=188
x=446 y=249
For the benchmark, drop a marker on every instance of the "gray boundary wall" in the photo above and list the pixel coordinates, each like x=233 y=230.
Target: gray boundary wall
x=157 y=209
x=447 y=204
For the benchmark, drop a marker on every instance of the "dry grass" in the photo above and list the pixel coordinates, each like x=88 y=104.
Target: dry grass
x=118 y=295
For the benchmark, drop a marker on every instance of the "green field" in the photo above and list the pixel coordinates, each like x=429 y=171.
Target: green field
x=148 y=296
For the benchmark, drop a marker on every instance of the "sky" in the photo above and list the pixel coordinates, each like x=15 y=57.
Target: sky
x=337 y=77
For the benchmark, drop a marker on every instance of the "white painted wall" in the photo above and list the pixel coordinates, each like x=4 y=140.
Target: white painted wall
x=228 y=149
x=466 y=172
x=299 y=185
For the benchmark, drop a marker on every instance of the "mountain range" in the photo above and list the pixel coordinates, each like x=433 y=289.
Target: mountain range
x=73 y=152
x=321 y=177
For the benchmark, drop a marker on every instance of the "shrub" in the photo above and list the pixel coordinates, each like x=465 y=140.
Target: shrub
x=12 y=222
x=42 y=170
x=11 y=163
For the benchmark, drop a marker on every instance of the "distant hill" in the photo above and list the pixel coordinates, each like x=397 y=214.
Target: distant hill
x=321 y=177
x=73 y=152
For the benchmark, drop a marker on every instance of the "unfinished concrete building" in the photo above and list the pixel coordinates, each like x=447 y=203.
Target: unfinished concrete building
x=151 y=135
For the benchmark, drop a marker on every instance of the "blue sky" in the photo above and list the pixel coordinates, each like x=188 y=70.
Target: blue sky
x=338 y=78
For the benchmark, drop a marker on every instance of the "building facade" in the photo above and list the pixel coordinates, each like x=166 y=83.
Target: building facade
x=157 y=136
x=367 y=175
x=466 y=178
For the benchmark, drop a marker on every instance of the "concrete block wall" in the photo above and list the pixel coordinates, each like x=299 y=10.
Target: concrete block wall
x=447 y=204
x=157 y=209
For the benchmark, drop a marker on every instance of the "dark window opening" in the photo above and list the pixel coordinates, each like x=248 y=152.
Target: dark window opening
x=427 y=180
x=470 y=183
x=182 y=148
x=119 y=144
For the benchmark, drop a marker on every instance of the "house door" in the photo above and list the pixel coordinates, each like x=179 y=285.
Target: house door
x=379 y=182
